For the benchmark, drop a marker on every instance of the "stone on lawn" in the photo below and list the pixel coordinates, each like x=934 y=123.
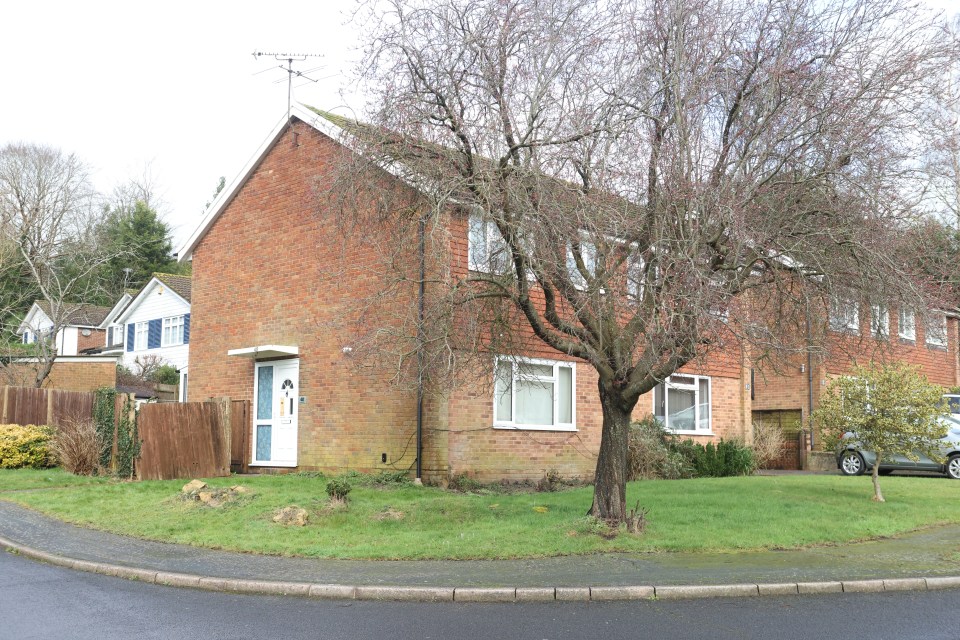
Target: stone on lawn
x=292 y=516
x=194 y=485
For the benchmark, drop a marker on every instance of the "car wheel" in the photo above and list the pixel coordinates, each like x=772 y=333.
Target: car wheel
x=953 y=467
x=851 y=464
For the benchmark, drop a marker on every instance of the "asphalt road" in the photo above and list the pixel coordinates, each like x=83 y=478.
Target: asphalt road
x=41 y=601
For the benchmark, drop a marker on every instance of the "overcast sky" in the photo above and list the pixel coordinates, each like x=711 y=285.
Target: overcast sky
x=169 y=87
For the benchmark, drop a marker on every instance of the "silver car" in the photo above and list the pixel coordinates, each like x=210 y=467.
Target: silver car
x=853 y=460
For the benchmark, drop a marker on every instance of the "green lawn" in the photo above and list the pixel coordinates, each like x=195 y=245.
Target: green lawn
x=19 y=479
x=690 y=515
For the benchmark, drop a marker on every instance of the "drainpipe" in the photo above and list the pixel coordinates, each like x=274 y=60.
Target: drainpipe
x=809 y=379
x=421 y=230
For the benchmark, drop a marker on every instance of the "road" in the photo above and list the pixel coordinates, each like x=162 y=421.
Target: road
x=41 y=601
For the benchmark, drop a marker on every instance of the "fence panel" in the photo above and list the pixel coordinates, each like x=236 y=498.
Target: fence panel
x=71 y=405
x=185 y=440
x=239 y=435
x=26 y=405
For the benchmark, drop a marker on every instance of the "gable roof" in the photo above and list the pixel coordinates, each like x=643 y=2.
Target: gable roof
x=76 y=315
x=117 y=309
x=325 y=123
x=178 y=285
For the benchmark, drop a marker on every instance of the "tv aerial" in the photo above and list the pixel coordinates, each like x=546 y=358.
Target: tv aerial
x=290 y=58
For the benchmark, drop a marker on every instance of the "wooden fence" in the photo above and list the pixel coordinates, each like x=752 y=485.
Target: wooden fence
x=189 y=440
x=239 y=436
x=26 y=405
x=179 y=440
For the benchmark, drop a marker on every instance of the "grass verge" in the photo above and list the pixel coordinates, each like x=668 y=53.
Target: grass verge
x=406 y=522
x=20 y=479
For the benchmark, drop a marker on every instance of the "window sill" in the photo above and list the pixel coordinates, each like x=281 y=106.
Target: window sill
x=535 y=427
x=690 y=433
x=273 y=464
x=847 y=331
x=936 y=347
x=909 y=341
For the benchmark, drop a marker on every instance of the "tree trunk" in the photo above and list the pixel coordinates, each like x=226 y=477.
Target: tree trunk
x=610 y=482
x=877 y=494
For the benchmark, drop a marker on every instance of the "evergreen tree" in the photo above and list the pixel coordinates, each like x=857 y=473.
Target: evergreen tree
x=142 y=244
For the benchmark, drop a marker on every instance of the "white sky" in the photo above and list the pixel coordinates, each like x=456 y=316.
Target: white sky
x=169 y=87
x=165 y=85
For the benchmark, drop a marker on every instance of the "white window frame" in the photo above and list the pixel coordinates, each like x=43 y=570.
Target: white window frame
x=171 y=324
x=880 y=321
x=844 y=315
x=499 y=423
x=141 y=336
x=903 y=322
x=28 y=337
x=695 y=387
x=931 y=337
x=588 y=252
x=479 y=258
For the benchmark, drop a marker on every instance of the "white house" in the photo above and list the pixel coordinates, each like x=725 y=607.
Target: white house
x=112 y=329
x=156 y=322
x=79 y=331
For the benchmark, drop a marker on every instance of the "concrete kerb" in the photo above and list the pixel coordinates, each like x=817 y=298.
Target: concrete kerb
x=479 y=594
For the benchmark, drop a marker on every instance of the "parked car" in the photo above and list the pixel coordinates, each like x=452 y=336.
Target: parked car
x=853 y=460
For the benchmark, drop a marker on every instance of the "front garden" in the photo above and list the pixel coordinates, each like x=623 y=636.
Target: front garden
x=386 y=519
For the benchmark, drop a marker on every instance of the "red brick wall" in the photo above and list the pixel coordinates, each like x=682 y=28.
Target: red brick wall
x=275 y=269
x=67 y=375
x=95 y=340
x=786 y=387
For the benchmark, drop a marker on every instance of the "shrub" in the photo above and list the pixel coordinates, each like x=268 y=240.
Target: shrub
x=25 y=446
x=768 y=443
x=465 y=484
x=726 y=458
x=165 y=374
x=77 y=446
x=649 y=454
x=338 y=489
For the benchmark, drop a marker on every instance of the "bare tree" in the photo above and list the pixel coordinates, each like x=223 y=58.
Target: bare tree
x=49 y=212
x=643 y=179
x=944 y=160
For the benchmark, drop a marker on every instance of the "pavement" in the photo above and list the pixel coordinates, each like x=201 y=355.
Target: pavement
x=922 y=560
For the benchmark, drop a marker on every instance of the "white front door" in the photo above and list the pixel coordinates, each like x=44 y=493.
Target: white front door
x=275 y=409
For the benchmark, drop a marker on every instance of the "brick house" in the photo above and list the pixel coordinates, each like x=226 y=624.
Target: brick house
x=855 y=334
x=276 y=288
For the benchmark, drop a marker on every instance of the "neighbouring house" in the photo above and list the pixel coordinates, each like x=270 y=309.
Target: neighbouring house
x=276 y=290
x=156 y=326
x=78 y=332
x=850 y=334
x=113 y=330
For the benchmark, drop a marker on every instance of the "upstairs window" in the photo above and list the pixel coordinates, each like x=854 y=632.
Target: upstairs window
x=879 y=321
x=907 y=329
x=534 y=394
x=487 y=251
x=844 y=316
x=936 y=329
x=588 y=252
x=141 y=336
x=172 y=331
